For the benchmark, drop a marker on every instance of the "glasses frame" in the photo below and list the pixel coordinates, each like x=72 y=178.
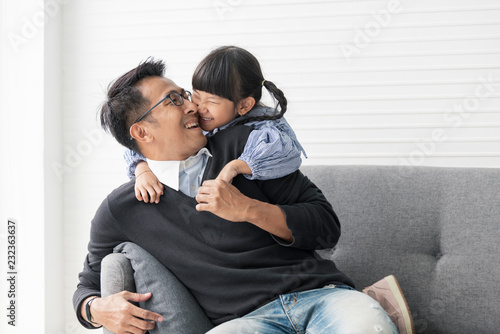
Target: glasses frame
x=170 y=98
x=189 y=94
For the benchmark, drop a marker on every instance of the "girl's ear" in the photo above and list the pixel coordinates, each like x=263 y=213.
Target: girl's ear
x=139 y=133
x=245 y=105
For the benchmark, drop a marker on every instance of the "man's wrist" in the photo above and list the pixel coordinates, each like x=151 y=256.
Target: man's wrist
x=250 y=213
x=268 y=217
x=86 y=311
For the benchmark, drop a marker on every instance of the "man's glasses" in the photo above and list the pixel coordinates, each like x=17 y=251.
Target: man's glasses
x=174 y=97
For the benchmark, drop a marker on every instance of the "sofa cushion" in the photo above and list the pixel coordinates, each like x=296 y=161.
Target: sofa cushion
x=435 y=229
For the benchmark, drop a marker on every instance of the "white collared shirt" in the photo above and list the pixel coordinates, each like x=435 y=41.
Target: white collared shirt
x=184 y=175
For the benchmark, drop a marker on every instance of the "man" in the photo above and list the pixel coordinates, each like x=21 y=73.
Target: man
x=244 y=251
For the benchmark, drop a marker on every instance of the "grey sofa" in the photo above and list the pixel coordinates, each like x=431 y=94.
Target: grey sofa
x=436 y=229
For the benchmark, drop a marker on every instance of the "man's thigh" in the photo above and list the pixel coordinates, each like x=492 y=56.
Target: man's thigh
x=269 y=318
x=249 y=326
x=328 y=310
x=337 y=310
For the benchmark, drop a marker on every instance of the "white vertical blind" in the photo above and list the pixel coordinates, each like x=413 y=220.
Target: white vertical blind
x=368 y=82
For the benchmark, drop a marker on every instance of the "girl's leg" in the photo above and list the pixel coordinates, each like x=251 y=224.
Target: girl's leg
x=170 y=298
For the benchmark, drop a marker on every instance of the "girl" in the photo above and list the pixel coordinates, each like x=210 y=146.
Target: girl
x=227 y=87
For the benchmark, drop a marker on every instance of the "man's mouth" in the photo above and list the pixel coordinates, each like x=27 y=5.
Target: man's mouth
x=205 y=119
x=191 y=125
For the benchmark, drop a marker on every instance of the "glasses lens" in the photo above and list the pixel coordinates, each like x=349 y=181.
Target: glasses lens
x=176 y=98
x=187 y=95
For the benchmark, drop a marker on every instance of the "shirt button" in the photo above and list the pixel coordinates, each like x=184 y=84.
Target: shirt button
x=193 y=188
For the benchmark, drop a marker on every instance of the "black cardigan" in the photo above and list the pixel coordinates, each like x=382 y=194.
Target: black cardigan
x=231 y=268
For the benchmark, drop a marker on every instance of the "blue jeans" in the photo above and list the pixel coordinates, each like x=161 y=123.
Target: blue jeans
x=331 y=309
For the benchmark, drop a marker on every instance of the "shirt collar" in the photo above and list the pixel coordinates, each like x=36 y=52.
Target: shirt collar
x=168 y=171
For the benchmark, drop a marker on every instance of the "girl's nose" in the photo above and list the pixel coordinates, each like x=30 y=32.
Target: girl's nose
x=202 y=109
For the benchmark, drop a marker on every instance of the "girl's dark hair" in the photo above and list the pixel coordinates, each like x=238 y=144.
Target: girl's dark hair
x=125 y=102
x=234 y=73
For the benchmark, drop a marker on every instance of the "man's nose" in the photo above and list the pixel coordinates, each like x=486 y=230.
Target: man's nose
x=190 y=107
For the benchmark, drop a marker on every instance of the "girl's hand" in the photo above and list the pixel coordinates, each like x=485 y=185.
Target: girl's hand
x=147 y=186
x=233 y=168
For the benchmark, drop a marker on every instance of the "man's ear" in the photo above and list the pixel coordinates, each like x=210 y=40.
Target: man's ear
x=245 y=105
x=140 y=133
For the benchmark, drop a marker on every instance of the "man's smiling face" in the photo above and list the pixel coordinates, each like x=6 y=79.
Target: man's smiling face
x=175 y=129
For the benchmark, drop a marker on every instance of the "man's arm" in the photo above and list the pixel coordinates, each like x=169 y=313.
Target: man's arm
x=114 y=312
x=310 y=216
x=297 y=211
x=117 y=314
x=224 y=200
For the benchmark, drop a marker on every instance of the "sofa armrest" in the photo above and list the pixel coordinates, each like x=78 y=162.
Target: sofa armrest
x=116 y=275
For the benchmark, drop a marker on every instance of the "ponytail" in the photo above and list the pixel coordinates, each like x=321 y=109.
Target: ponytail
x=281 y=102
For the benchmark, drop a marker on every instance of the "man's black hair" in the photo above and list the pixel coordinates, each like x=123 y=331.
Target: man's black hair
x=125 y=102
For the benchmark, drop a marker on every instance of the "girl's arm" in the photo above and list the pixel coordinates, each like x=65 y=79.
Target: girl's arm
x=146 y=183
x=233 y=168
x=272 y=151
x=132 y=159
x=147 y=186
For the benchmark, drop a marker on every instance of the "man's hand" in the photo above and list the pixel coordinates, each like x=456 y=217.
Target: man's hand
x=224 y=200
x=118 y=315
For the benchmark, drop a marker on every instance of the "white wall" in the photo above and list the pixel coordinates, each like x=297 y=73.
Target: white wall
x=368 y=82
x=30 y=136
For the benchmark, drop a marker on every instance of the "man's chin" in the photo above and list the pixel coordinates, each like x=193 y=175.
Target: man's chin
x=198 y=142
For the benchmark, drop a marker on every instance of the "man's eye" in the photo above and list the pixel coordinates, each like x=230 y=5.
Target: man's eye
x=176 y=99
